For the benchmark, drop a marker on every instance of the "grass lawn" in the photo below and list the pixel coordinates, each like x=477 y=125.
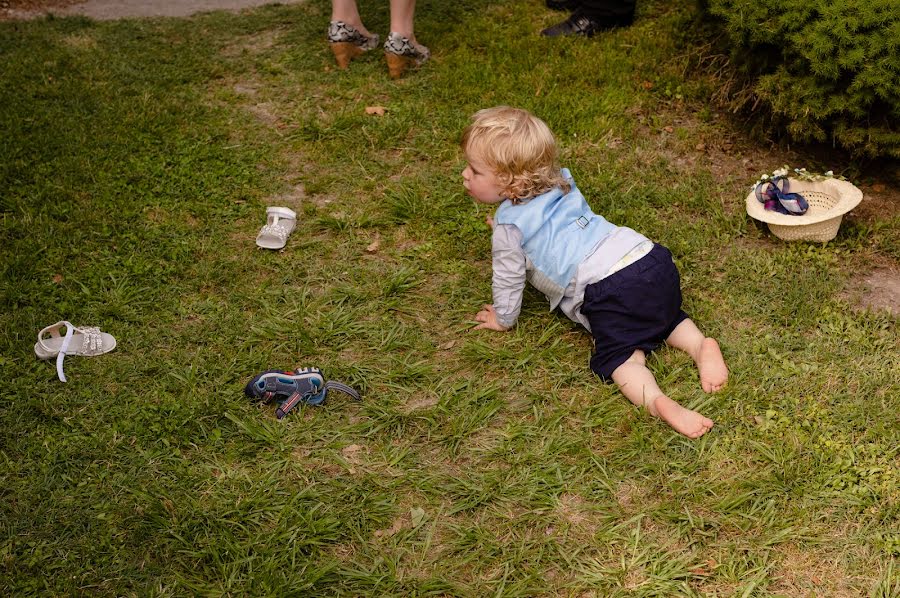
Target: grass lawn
x=136 y=161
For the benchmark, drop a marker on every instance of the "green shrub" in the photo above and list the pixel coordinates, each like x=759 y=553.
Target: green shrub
x=827 y=70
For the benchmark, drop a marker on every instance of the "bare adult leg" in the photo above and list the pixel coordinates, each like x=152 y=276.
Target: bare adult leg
x=402 y=17
x=347 y=11
x=402 y=50
x=704 y=351
x=639 y=386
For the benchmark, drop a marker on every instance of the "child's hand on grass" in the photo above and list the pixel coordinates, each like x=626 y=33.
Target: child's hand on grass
x=488 y=318
x=490 y=221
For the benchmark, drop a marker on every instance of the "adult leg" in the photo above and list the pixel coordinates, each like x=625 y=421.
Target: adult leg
x=639 y=386
x=611 y=13
x=347 y=11
x=401 y=48
x=568 y=5
x=402 y=18
x=704 y=351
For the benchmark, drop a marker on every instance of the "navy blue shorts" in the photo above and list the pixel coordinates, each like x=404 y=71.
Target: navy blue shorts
x=637 y=307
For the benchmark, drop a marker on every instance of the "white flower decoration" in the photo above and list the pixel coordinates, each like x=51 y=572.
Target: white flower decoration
x=797 y=173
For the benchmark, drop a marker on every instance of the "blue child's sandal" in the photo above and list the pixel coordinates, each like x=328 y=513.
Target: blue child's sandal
x=289 y=389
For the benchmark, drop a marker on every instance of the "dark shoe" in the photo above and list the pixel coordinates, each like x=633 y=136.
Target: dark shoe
x=576 y=24
x=581 y=24
x=569 y=5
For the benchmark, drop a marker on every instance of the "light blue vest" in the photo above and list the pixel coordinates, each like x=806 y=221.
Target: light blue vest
x=558 y=231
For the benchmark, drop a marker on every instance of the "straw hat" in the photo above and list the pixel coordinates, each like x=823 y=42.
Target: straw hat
x=828 y=201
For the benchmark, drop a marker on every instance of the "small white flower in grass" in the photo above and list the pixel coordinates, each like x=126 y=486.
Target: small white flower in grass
x=829 y=173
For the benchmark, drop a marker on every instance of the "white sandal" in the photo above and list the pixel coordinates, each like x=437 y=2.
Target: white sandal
x=87 y=341
x=280 y=223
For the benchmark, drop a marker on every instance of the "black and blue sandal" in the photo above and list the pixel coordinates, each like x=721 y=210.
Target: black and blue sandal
x=290 y=388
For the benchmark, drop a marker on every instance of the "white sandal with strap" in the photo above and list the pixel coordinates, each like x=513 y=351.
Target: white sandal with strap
x=280 y=223
x=87 y=341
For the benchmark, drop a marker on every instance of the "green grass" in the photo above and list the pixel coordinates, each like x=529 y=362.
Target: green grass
x=136 y=162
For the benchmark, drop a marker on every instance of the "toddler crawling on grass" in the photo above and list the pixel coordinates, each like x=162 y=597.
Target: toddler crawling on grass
x=618 y=284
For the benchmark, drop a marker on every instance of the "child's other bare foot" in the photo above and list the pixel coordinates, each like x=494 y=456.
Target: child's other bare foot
x=683 y=420
x=711 y=364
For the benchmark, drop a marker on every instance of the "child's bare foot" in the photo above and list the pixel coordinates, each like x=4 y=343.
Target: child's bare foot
x=711 y=364
x=683 y=420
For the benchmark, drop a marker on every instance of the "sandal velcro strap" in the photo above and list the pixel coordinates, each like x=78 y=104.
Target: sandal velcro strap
x=290 y=388
x=341 y=387
x=271 y=386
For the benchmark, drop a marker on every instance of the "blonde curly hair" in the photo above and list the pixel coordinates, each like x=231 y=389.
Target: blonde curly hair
x=518 y=147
